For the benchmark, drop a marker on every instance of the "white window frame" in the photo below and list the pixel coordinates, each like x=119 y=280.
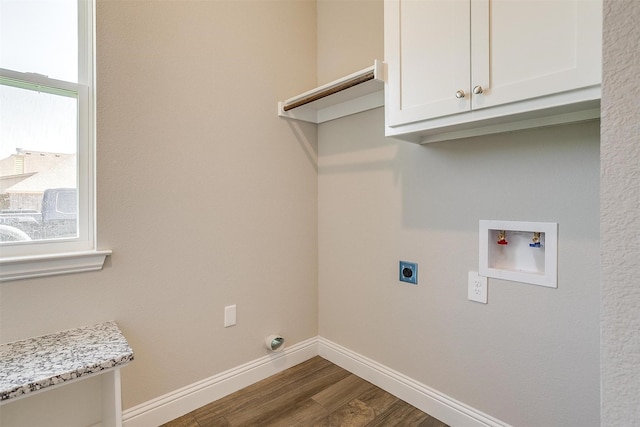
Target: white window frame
x=51 y=257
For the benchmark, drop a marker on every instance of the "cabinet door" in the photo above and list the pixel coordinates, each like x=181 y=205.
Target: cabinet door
x=523 y=49
x=427 y=53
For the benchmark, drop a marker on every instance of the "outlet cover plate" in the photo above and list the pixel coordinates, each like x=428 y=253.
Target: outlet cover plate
x=230 y=313
x=477 y=288
x=408 y=272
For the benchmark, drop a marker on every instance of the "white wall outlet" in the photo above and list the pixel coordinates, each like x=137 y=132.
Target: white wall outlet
x=477 y=289
x=229 y=316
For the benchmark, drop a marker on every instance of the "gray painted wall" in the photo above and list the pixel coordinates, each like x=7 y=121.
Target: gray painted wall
x=620 y=215
x=531 y=356
x=205 y=196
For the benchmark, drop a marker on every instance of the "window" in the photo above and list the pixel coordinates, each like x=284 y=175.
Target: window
x=47 y=138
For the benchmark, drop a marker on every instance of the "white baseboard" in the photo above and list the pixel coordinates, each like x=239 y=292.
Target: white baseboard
x=182 y=401
x=175 y=404
x=440 y=406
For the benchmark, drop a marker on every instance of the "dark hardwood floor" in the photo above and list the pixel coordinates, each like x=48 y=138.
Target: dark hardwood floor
x=315 y=393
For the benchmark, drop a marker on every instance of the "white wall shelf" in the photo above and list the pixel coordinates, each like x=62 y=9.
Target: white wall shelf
x=357 y=92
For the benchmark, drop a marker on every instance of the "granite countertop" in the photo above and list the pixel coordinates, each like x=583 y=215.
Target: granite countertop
x=33 y=364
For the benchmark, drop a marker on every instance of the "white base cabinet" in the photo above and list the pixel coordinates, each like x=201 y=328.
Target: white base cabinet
x=457 y=68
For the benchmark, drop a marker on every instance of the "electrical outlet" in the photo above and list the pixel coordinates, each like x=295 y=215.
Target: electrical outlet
x=408 y=272
x=477 y=288
x=230 y=315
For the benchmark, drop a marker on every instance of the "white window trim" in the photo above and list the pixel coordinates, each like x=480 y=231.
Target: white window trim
x=38 y=259
x=51 y=264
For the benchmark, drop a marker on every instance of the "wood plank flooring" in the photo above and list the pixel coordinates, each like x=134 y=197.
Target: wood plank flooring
x=315 y=393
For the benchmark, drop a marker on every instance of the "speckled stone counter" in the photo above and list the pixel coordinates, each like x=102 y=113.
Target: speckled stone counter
x=34 y=364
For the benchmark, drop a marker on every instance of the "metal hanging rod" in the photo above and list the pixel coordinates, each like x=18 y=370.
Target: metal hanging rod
x=331 y=90
x=357 y=92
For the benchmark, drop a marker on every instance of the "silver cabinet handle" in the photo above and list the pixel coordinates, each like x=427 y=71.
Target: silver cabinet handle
x=478 y=90
x=460 y=94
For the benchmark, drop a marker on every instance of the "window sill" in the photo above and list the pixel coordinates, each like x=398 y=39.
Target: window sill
x=51 y=265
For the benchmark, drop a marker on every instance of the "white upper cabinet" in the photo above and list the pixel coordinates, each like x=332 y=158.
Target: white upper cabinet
x=428 y=58
x=458 y=68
